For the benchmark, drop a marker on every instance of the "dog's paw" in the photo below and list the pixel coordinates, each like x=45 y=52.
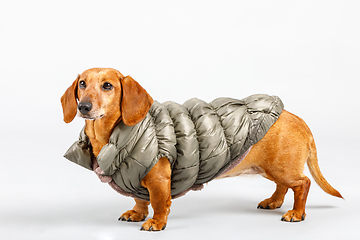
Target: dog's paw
x=270 y=204
x=293 y=216
x=153 y=225
x=132 y=216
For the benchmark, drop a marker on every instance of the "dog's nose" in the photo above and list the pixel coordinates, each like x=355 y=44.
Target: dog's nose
x=84 y=107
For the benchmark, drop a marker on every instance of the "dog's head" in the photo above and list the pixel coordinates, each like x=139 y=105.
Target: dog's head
x=102 y=92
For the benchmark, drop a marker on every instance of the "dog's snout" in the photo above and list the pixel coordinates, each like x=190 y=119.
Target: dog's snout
x=85 y=107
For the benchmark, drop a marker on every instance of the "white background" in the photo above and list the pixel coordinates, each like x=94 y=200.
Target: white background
x=306 y=52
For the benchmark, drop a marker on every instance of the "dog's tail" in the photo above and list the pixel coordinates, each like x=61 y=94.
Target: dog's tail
x=314 y=168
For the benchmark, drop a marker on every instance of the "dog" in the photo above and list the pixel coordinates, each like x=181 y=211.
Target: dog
x=104 y=98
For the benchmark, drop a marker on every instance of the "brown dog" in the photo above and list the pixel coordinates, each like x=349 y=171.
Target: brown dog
x=106 y=97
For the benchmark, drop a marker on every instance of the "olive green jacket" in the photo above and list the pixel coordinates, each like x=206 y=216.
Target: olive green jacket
x=201 y=140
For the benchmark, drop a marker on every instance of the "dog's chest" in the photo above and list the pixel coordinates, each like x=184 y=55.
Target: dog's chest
x=98 y=139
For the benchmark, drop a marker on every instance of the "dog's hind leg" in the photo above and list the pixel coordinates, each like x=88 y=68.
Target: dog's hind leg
x=276 y=200
x=138 y=213
x=301 y=190
x=300 y=187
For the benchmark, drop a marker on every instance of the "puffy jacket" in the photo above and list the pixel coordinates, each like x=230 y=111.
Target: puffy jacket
x=201 y=140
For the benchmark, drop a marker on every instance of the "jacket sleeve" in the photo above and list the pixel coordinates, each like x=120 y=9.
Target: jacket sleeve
x=80 y=152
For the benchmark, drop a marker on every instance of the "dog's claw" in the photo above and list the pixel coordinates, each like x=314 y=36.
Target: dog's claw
x=293 y=216
x=151 y=229
x=124 y=219
x=292 y=220
x=261 y=207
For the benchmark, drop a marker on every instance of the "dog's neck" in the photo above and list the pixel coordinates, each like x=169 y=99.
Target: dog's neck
x=99 y=131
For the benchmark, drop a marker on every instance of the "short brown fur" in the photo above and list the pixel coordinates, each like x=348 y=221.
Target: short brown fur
x=280 y=156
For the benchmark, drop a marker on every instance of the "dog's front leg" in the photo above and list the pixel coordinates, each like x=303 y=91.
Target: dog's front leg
x=158 y=183
x=138 y=213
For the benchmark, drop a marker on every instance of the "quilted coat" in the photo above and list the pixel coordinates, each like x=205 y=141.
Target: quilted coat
x=201 y=141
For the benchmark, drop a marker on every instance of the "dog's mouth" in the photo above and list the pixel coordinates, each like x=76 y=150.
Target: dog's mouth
x=91 y=117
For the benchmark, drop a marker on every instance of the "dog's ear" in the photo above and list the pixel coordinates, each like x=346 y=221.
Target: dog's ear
x=69 y=102
x=135 y=103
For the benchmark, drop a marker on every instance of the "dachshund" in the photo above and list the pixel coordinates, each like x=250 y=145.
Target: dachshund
x=104 y=97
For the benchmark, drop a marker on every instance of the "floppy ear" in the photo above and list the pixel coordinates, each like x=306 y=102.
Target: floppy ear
x=135 y=103
x=69 y=103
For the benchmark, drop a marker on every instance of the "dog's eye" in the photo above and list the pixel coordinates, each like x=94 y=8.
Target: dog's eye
x=107 y=86
x=82 y=84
